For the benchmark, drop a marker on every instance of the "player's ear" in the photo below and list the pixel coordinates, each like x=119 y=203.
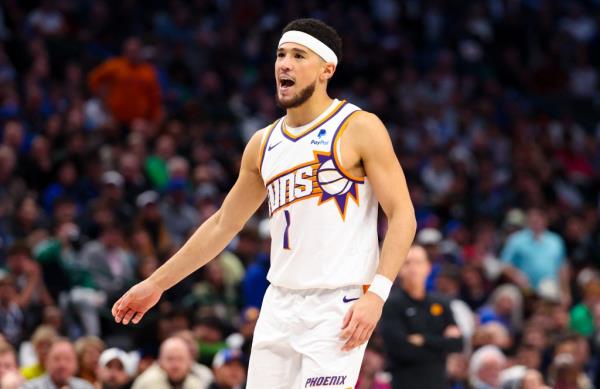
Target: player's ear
x=327 y=71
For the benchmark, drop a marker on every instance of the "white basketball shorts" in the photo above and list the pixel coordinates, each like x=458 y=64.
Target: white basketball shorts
x=297 y=341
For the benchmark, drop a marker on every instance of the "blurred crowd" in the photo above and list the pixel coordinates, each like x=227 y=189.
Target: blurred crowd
x=122 y=125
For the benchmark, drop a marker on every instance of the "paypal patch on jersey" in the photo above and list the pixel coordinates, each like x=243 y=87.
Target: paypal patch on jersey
x=320 y=141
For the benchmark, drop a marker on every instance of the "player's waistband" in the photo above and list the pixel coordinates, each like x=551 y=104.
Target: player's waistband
x=319 y=291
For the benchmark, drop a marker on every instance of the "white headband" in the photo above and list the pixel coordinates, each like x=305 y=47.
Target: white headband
x=309 y=41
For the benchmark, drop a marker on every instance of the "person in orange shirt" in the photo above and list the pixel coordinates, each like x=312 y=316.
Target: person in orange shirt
x=128 y=85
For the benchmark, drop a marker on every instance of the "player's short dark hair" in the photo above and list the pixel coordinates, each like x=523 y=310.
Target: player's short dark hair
x=323 y=32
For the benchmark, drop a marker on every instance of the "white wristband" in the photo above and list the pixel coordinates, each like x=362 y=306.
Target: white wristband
x=381 y=286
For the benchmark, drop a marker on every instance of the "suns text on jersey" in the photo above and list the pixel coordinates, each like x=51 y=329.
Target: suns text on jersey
x=291 y=187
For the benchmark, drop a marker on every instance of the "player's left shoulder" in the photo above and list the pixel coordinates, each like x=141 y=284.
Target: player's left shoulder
x=365 y=131
x=366 y=122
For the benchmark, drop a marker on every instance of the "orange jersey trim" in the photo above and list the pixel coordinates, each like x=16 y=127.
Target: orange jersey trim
x=334 y=151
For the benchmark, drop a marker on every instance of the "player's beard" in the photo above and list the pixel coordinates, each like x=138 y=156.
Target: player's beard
x=299 y=98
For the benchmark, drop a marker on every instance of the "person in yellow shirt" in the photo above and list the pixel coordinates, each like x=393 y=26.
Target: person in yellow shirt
x=41 y=340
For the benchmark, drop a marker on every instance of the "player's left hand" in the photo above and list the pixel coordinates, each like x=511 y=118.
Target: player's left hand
x=360 y=320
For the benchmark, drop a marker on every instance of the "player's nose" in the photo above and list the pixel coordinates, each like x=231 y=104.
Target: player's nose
x=285 y=63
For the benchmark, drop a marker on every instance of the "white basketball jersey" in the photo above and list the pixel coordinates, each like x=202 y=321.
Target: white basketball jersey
x=323 y=221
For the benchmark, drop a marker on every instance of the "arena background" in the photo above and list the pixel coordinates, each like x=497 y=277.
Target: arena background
x=105 y=168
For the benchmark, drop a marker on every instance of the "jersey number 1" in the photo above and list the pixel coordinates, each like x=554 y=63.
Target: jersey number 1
x=286 y=237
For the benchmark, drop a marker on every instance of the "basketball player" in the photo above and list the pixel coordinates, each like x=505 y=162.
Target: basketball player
x=323 y=167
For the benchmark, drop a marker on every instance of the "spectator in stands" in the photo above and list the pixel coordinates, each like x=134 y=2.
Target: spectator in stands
x=116 y=369
x=12 y=320
x=109 y=262
x=47 y=20
x=571 y=360
x=229 y=369
x=564 y=373
x=97 y=274
x=581 y=316
x=181 y=219
x=28 y=218
x=10 y=378
x=492 y=333
x=134 y=181
x=209 y=332
x=61 y=366
x=199 y=370
x=533 y=380
x=536 y=258
x=372 y=375
x=150 y=220
x=128 y=85
x=64 y=210
x=67 y=184
x=157 y=164
x=242 y=340
x=505 y=307
x=58 y=253
x=255 y=283
x=173 y=369
x=529 y=355
x=41 y=340
x=457 y=369
x=32 y=293
x=485 y=367
x=142 y=248
x=448 y=284
x=53 y=317
x=430 y=239
x=215 y=293
x=9 y=182
x=36 y=168
x=474 y=289
x=418 y=328
x=88 y=349
x=112 y=197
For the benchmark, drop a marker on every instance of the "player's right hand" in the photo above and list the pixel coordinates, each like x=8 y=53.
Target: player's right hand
x=136 y=302
x=360 y=320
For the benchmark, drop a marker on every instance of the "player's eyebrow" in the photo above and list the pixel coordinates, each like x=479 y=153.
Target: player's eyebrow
x=281 y=49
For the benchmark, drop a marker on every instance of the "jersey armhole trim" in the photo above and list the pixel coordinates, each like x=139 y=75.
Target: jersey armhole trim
x=336 y=160
x=263 y=145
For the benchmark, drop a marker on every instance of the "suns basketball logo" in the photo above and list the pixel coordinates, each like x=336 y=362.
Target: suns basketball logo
x=331 y=180
x=320 y=178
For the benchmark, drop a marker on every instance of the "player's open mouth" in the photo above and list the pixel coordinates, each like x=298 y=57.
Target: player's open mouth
x=285 y=83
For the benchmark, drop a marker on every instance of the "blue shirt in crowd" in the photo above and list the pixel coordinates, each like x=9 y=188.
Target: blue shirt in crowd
x=539 y=258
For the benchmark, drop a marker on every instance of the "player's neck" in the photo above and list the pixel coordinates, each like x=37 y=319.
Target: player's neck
x=308 y=111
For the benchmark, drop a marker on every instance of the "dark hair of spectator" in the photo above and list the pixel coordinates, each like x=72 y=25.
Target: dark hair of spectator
x=17 y=248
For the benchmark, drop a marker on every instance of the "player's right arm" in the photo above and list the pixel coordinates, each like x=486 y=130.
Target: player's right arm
x=206 y=243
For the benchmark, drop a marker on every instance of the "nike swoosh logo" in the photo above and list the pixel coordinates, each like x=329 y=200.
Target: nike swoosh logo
x=275 y=145
x=347 y=300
